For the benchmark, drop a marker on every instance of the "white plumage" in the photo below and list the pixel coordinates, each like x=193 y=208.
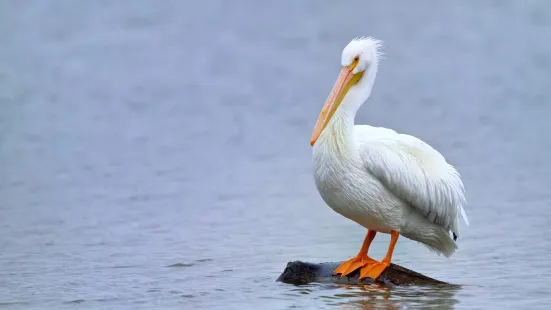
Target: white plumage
x=383 y=180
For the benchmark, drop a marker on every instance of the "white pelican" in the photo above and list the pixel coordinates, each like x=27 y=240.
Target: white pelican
x=385 y=181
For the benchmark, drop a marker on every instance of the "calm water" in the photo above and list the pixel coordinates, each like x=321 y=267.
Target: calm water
x=155 y=153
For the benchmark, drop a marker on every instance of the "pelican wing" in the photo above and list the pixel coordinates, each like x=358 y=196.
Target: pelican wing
x=414 y=172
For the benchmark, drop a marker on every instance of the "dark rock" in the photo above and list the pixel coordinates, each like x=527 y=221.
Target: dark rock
x=300 y=273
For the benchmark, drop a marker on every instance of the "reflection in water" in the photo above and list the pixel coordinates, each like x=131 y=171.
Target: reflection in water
x=377 y=296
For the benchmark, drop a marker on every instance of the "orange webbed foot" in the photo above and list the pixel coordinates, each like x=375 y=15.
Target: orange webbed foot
x=369 y=268
x=374 y=269
x=353 y=264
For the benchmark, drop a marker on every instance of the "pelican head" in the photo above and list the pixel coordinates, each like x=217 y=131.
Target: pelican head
x=359 y=61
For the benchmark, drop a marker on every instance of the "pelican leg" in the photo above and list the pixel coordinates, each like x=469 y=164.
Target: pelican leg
x=375 y=268
x=360 y=260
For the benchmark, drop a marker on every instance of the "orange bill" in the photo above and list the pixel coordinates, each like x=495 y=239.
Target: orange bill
x=345 y=80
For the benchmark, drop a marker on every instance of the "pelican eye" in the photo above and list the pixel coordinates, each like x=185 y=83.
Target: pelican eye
x=357 y=58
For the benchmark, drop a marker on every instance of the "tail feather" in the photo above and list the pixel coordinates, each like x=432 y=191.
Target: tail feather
x=434 y=237
x=440 y=244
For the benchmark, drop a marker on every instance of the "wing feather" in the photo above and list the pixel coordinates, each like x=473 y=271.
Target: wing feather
x=414 y=172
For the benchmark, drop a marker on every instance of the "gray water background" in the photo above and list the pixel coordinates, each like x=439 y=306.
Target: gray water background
x=155 y=153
